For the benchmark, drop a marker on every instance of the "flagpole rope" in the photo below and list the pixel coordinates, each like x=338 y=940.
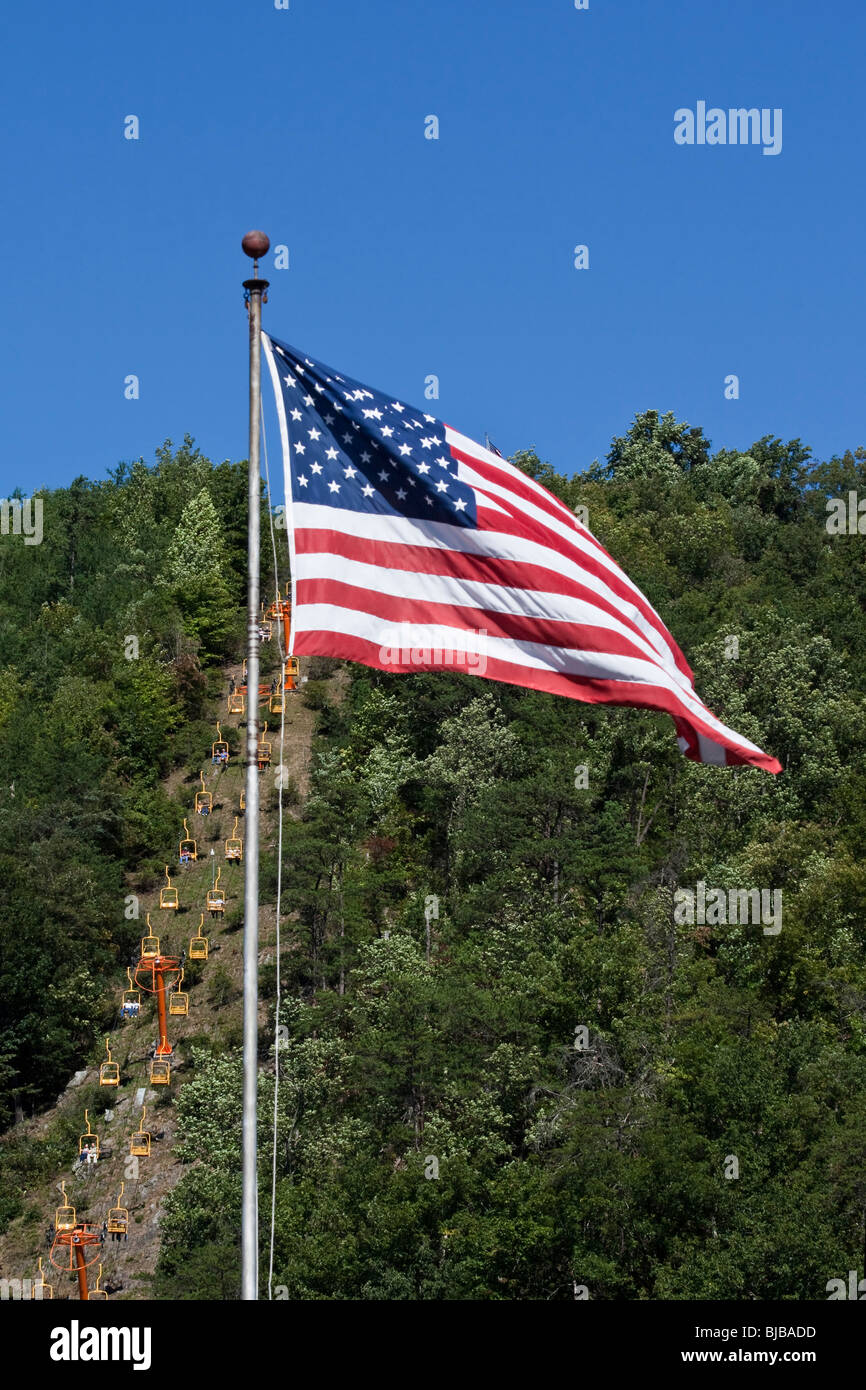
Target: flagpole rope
x=278 y=990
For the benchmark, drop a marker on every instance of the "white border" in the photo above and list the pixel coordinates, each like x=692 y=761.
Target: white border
x=287 y=476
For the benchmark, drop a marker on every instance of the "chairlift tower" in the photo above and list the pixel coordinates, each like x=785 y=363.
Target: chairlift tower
x=153 y=972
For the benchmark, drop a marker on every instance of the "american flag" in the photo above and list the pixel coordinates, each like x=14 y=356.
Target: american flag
x=414 y=548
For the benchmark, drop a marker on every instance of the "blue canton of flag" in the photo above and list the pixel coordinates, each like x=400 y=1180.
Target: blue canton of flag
x=354 y=448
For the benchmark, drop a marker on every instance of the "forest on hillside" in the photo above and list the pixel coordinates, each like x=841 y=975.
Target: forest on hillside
x=507 y=1071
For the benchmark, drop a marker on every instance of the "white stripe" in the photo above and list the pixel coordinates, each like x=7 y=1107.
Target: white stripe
x=712 y=752
x=327 y=617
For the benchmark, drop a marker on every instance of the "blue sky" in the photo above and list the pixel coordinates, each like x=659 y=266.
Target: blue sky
x=411 y=256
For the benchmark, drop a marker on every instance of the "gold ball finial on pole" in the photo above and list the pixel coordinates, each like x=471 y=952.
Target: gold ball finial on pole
x=256 y=245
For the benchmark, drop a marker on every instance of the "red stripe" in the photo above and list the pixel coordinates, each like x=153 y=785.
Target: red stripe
x=590 y=691
x=520 y=627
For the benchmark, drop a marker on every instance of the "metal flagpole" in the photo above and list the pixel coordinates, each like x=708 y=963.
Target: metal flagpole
x=255 y=244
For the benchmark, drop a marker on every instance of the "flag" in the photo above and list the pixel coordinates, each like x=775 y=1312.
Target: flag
x=414 y=548
x=488 y=444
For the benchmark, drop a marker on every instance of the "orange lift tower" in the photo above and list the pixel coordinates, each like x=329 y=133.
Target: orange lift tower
x=151 y=972
x=77 y=1244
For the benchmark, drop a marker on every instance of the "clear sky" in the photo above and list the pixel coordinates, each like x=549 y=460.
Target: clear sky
x=411 y=256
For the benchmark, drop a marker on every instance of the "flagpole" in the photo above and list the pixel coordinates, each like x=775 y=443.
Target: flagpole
x=255 y=244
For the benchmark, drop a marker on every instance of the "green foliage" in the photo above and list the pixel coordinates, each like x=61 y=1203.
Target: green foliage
x=90 y=724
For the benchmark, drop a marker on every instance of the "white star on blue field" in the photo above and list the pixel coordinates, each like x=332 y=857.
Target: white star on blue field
x=360 y=449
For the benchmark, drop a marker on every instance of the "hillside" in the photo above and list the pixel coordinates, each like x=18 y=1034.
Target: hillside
x=510 y=1066
x=214 y=1020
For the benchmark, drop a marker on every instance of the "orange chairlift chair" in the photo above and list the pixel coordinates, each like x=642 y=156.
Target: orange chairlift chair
x=118 y=1217
x=160 y=1071
x=109 y=1072
x=139 y=1144
x=167 y=894
x=263 y=750
x=198 y=943
x=149 y=944
x=42 y=1290
x=130 y=1003
x=203 y=799
x=88 y=1144
x=186 y=850
x=65 y=1218
x=178 y=1000
x=235 y=845
x=216 y=897
x=219 y=749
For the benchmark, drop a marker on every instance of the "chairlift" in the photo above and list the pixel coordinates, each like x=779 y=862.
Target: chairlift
x=198 y=943
x=118 y=1217
x=109 y=1072
x=97 y=1292
x=139 y=1144
x=277 y=703
x=235 y=845
x=186 y=849
x=203 y=799
x=160 y=1071
x=178 y=1000
x=243 y=802
x=65 y=1218
x=219 y=749
x=130 y=1003
x=216 y=897
x=263 y=750
x=88 y=1143
x=237 y=703
x=45 y=1290
x=168 y=895
x=149 y=943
